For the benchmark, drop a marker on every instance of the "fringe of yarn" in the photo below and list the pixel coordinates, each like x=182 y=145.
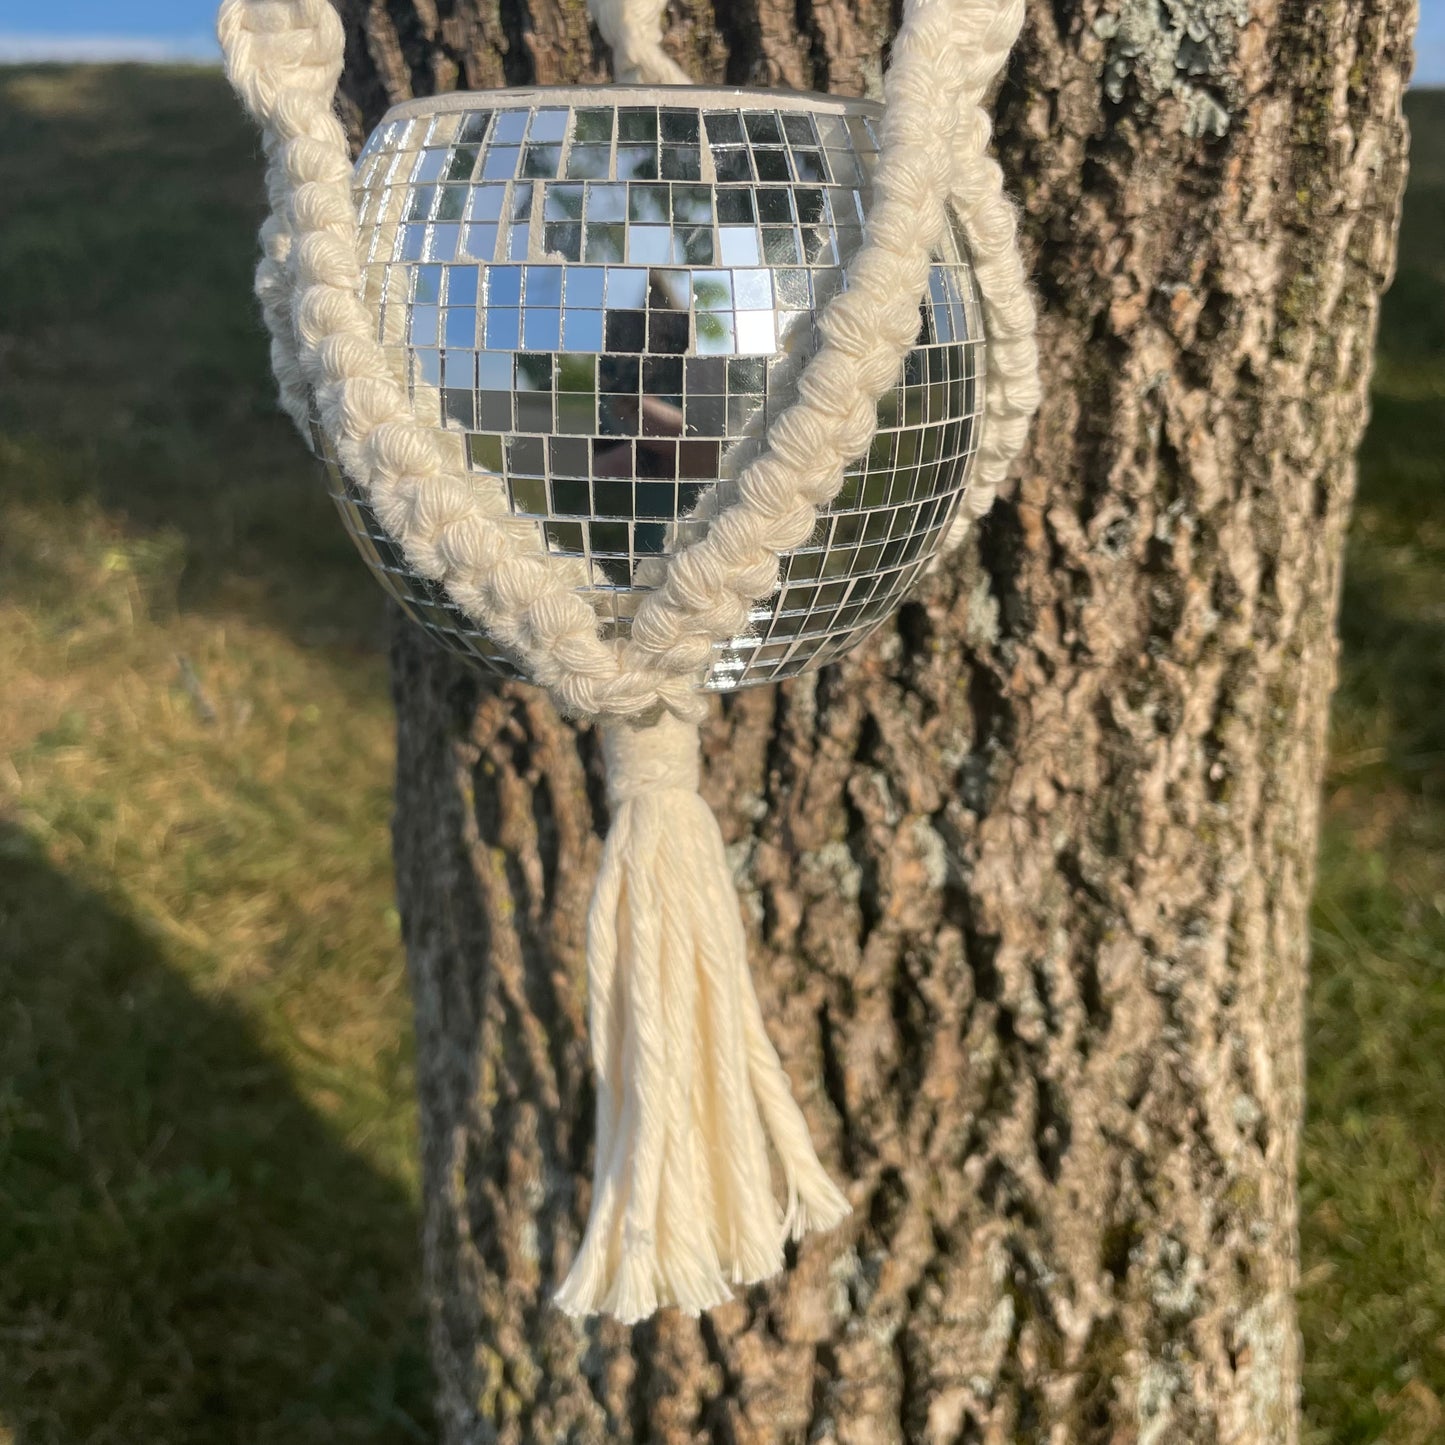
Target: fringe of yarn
x=690 y=1092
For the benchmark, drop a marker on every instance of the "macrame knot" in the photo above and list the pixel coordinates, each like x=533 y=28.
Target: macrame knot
x=657 y=759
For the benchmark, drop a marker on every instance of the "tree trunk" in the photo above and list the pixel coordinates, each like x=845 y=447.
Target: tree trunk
x=1026 y=879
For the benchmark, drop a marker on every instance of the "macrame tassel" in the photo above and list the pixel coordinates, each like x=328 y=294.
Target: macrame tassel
x=689 y=1088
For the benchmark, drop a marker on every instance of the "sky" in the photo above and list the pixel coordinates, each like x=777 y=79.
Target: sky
x=184 y=30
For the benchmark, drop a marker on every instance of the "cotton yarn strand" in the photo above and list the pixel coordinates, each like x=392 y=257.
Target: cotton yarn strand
x=633 y=32
x=284 y=58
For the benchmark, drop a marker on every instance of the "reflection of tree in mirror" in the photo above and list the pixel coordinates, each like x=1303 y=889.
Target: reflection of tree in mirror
x=592 y=126
x=576 y=373
x=534 y=372
x=564 y=202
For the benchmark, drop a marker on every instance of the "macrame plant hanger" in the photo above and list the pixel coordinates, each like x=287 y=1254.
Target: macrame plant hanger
x=692 y=1101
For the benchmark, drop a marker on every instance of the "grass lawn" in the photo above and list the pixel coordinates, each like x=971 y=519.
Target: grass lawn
x=208 y=1213
x=1373 y=1187
x=208 y=1195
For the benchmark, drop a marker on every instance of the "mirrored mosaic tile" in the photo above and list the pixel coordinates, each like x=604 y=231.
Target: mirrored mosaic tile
x=609 y=296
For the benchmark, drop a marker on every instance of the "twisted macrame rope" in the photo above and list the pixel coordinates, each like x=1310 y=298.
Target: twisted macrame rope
x=633 y=32
x=284 y=58
x=966 y=45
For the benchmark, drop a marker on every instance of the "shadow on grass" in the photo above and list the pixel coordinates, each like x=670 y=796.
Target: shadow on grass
x=1392 y=630
x=189 y=1253
x=133 y=364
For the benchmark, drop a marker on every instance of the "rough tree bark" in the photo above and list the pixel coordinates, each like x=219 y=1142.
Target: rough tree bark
x=1026 y=880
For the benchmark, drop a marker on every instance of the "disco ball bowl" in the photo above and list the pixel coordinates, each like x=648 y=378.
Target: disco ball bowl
x=610 y=293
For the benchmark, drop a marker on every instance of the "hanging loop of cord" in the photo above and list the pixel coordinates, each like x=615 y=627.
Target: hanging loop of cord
x=284 y=58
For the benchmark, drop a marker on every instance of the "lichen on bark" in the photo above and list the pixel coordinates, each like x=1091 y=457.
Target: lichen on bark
x=1179 y=48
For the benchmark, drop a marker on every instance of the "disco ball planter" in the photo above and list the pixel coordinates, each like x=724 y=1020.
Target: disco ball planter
x=664 y=388
x=607 y=295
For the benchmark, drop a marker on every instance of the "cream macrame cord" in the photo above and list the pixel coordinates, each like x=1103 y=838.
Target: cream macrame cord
x=691 y=1094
